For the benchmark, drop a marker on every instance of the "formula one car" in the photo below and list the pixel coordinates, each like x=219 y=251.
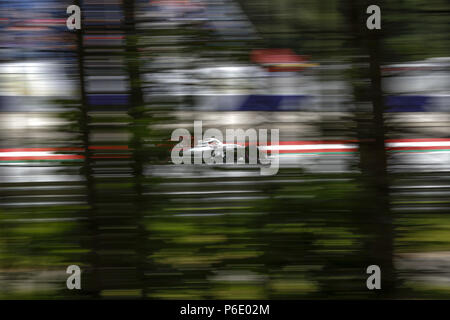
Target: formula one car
x=212 y=148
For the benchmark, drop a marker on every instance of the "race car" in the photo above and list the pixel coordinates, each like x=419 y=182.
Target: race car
x=213 y=148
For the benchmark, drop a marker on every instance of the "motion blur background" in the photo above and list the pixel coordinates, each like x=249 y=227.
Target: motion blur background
x=85 y=171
